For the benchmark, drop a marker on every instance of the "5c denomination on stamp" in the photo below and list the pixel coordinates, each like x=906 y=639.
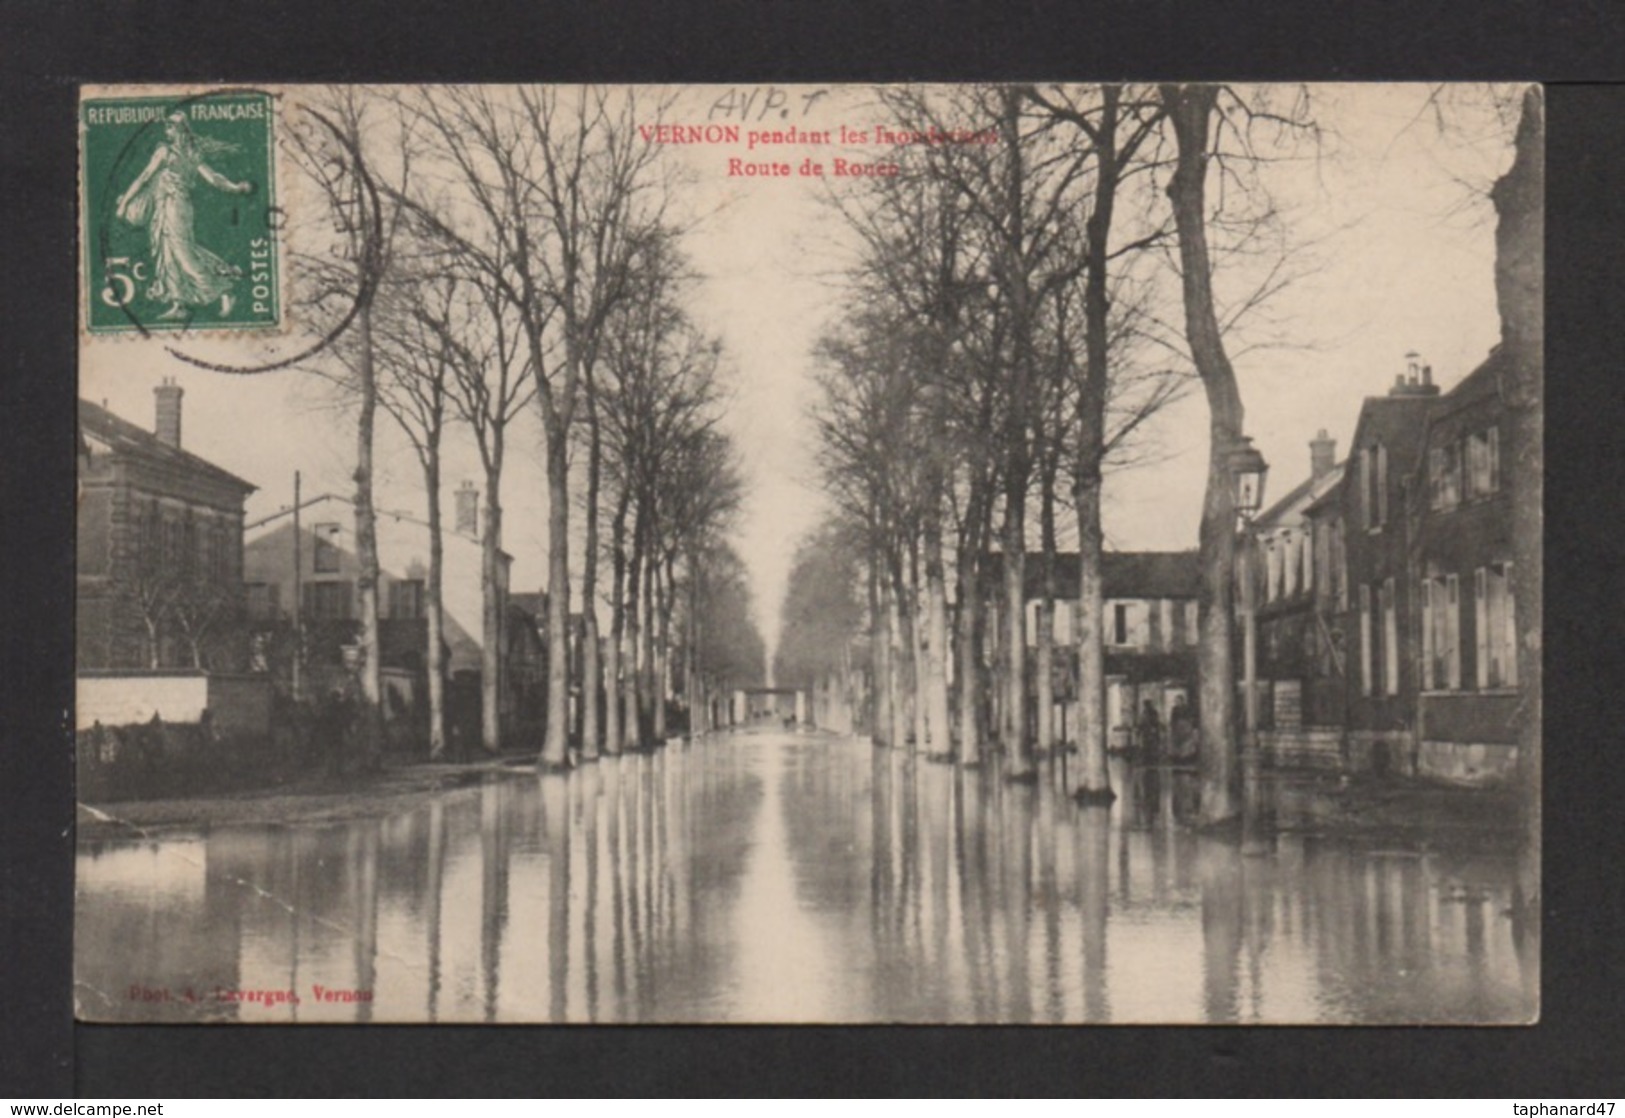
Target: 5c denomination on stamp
x=179 y=214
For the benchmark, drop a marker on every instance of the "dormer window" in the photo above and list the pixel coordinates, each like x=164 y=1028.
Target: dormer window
x=1374 y=486
x=1483 y=462
x=1444 y=476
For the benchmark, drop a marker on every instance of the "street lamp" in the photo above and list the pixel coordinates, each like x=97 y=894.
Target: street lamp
x=1249 y=472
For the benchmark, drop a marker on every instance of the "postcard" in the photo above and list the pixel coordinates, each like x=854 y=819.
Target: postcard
x=1043 y=553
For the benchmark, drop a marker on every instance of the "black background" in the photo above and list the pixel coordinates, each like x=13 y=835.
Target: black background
x=46 y=50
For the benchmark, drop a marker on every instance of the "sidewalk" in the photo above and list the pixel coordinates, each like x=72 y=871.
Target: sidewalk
x=313 y=799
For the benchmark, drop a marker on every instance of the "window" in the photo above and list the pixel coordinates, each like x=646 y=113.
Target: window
x=406 y=598
x=1483 y=462
x=1064 y=611
x=152 y=527
x=94 y=529
x=215 y=541
x=328 y=601
x=1444 y=476
x=1338 y=570
x=174 y=542
x=1497 y=644
x=325 y=555
x=1441 y=633
x=1306 y=560
x=264 y=600
x=1120 y=623
x=1390 y=639
x=1365 y=640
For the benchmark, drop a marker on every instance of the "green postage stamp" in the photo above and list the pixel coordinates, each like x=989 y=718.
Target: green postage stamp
x=179 y=212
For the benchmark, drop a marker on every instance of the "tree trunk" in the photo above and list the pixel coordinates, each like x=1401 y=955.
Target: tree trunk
x=614 y=728
x=591 y=668
x=491 y=619
x=1018 y=757
x=648 y=689
x=1093 y=782
x=556 y=748
x=434 y=622
x=1190 y=110
x=662 y=645
x=366 y=536
x=968 y=677
x=696 y=716
x=916 y=630
x=896 y=642
x=1519 y=287
x=936 y=615
x=880 y=707
x=633 y=724
x=1044 y=669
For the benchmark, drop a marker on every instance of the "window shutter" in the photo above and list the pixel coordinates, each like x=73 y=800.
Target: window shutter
x=1390 y=639
x=1495 y=458
x=1382 y=484
x=1365 y=639
x=1429 y=680
x=1365 y=489
x=1481 y=627
x=1509 y=671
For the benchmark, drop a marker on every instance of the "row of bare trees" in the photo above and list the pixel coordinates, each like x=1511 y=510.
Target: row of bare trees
x=488 y=252
x=1010 y=347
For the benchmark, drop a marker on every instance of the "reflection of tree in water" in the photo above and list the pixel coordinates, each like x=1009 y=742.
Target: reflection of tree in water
x=614 y=894
x=647 y=855
x=1406 y=935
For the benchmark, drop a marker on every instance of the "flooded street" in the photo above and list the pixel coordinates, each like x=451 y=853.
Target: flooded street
x=781 y=877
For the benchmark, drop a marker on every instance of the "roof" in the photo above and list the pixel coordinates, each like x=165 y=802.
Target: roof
x=533 y=603
x=1481 y=382
x=1125 y=574
x=1328 y=482
x=128 y=439
x=1398 y=422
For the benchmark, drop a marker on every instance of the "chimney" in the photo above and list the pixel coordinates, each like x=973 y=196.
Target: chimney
x=468 y=510
x=168 y=424
x=1322 y=455
x=1416 y=380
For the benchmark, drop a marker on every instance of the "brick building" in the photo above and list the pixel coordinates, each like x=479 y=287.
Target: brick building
x=1298 y=592
x=1148 y=626
x=160 y=547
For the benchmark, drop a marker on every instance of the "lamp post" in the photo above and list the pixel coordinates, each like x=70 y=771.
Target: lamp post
x=1249 y=471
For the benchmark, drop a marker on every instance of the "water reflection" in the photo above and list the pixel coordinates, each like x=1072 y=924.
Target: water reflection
x=792 y=878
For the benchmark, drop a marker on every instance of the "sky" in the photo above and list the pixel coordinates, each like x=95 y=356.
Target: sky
x=1391 y=216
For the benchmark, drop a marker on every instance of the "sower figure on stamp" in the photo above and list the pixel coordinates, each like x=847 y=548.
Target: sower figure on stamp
x=184 y=272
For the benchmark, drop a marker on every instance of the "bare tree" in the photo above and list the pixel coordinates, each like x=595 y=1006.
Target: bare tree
x=554 y=190
x=420 y=320
x=491 y=390
x=1115 y=123
x=656 y=392
x=343 y=273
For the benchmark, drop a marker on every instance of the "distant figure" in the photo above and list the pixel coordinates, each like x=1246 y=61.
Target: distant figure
x=1150 y=730
x=1180 y=724
x=333 y=729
